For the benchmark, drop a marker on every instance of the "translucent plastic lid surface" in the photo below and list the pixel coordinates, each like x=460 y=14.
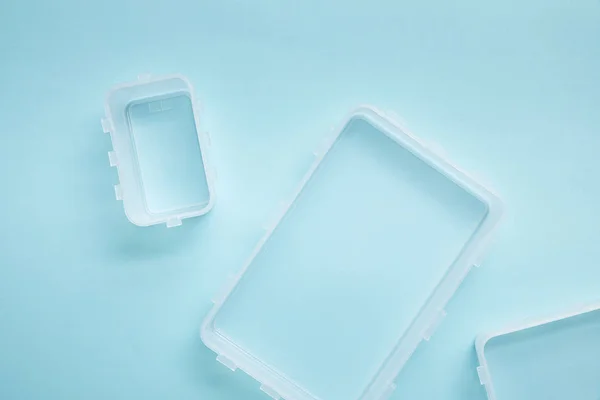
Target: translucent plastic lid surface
x=357 y=269
x=557 y=358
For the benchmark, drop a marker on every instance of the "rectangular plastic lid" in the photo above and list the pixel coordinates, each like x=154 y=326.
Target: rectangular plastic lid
x=556 y=358
x=357 y=269
x=159 y=151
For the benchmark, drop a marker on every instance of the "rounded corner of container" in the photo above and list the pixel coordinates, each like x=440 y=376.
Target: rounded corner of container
x=495 y=206
x=209 y=205
x=480 y=343
x=138 y=223
x=207 y=333
x=384 y=121
x=365 y=111
x=183 y=79
x=134 y=219
x=108 y=98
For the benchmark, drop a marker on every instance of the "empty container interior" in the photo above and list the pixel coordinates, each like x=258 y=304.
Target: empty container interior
x=350 y=265
x=169 y=160
x=556 y=361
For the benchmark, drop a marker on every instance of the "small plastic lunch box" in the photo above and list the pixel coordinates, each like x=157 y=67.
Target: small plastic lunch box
x=159 y=150
x=552 y=358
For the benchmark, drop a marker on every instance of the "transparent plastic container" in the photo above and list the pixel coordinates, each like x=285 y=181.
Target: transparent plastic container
x=356 y=269
x=556 y=358
x=159 y=150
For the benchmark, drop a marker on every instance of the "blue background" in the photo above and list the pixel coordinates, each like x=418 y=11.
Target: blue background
x=93 y=307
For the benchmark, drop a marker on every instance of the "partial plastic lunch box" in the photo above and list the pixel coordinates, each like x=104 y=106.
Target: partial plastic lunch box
x=159 y=150
x=357 y=268
x=556 y=358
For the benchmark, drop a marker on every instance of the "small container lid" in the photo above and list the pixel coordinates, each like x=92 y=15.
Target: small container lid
x=159 y=150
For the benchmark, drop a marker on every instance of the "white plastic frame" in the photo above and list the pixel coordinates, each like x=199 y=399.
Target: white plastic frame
x=483 y=369
x=122 y=157
x=275 y=383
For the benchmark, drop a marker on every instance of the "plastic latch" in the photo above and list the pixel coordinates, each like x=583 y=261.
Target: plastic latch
x=434 y=325
x=484 y=377
x=118 y=192
x=226 y=362
x=388 y=391
x=270 y=392
x=112 y=159
x=172 y=222
x=106 y=125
